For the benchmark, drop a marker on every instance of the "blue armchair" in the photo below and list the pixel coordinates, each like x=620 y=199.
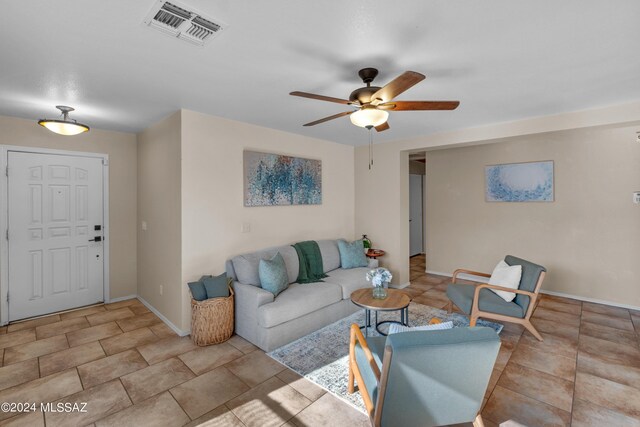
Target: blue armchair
x=478 y=301
x=423 y=378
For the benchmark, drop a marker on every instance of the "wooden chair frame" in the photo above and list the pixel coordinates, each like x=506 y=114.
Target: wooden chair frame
x=476 y=312
x=374 y=411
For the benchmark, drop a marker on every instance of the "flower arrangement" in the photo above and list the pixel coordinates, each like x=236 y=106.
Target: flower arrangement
x=379 y=276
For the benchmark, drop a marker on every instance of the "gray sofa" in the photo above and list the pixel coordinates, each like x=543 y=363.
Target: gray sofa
x=270 y=322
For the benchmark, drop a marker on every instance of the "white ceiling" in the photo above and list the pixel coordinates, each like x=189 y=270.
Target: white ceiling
x=503 y=59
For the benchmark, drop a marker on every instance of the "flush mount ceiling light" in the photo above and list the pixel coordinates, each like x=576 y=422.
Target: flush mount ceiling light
x=64 y=126
x=369 y=117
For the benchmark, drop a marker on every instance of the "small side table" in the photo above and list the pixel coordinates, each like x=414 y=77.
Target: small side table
x=395 y=300
x=373 y=255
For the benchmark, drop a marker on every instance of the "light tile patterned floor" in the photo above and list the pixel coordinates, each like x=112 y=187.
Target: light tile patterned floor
x=586 y=372
x=133 y=370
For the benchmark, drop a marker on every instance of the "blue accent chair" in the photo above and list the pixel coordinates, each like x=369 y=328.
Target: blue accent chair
x=477 y=300
x=423 y=378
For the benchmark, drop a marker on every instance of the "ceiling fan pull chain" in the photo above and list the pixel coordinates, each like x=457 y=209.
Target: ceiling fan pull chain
x=370 y=146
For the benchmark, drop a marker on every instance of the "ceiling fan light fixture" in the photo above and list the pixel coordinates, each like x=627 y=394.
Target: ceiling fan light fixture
x=64 y=126
x=369 y=117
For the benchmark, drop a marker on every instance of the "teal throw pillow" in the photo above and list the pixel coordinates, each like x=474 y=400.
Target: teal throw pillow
x=216 y=286
x=352 y=254
x=198 y=291
x=273 y=274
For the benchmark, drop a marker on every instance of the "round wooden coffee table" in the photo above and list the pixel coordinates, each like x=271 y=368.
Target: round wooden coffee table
x=395 y=300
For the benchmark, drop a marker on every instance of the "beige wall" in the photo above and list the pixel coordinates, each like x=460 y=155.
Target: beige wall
x=385 y=217
x=212 y=195
x=121 y=148
x=589 y=238
x=382 y=205
x=386 y=221
x=159 y=247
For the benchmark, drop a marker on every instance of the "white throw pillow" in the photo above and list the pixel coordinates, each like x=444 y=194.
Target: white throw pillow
x=395 y=328
x=508 y=276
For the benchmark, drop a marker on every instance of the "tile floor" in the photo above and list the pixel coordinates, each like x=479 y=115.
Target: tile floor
x=133 y=370
x=586 y=372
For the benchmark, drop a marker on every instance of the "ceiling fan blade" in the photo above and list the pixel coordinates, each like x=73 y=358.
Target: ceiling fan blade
x=419 y=105
x=382 y=127
x=321 y=97
x=396 y=86
x=326 y=119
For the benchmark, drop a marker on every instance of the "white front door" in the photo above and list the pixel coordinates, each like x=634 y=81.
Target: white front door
x=55 y=205
x=415 y=215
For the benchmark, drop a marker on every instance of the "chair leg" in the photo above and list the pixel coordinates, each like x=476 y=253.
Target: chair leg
x=351 y=387
x=533 y=330
x=450 y=307
x=478 y=421
x=472 y=321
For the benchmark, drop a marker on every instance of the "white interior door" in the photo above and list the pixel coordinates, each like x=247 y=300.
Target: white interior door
x=415 y=214
x=55 y=205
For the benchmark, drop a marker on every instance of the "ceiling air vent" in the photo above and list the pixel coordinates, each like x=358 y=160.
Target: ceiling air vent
x=181 y=22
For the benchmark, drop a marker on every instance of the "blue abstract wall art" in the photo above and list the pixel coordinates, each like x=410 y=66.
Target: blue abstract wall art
x=276 y=180
x=519 y=182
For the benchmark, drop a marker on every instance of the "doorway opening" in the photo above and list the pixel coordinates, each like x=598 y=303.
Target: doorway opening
x=417 y=200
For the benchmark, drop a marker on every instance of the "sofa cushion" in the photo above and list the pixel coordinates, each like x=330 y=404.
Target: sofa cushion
x=396 y=328
x=273 y=274
x=198 y=291
x=530 y=275
x=349 y=279
x=352 y=254
x=507 y=276
x=330 y=254
x=246 y=266
x=462 y=296
x=217 y=286
x=296 y=301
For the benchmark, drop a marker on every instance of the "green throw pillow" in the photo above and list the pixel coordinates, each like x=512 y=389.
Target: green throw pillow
x=217 y=286
x=273 y=274
x=198 y=291
x=352 y=254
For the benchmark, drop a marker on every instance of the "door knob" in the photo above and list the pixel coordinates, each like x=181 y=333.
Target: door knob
x=96 y=239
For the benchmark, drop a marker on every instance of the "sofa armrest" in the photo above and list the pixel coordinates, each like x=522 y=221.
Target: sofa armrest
x=248 y=299
x=251 y=297
x=471 y=272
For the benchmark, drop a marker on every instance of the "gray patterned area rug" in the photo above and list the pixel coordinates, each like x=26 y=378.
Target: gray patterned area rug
x=323 y=355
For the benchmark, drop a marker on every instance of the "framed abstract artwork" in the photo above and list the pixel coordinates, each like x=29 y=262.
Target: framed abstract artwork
x=276 y=180
x=519 y=182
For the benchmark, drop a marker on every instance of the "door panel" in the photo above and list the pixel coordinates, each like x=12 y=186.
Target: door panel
x=55 y=202
x=415 y=215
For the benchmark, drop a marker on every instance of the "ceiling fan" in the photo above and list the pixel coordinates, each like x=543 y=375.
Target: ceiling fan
x=374 y=102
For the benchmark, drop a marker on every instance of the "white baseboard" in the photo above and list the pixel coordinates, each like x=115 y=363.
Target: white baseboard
x=587 y=299
x=463 y=276
x=112 y=300
x=438 y=273
x=164 y=319
x=544 y=291
x=404 y=285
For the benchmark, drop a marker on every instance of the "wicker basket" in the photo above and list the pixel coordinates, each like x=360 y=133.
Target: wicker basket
x=212 y=320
